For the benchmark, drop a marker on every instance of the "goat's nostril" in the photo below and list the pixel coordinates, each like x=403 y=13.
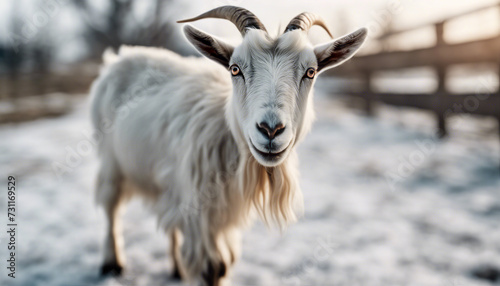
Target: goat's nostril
x=264 y=129
x=270 y=132
x=280 y=128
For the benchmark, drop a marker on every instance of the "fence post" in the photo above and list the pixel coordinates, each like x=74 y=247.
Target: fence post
x=368 y=94
x=441 y=95
x=498 y=109
x=498 y=93
x=498 y=122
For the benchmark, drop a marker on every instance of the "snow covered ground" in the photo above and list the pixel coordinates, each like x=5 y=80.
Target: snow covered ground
x=385 y=204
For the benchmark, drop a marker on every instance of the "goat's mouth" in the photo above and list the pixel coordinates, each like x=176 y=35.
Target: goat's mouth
x=271 y=157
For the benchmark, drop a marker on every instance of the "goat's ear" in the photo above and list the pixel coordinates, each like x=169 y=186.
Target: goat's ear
x=336 y=52
x=209 y=46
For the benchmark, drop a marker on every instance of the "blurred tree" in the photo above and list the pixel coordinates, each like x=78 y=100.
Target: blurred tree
x=26 y=53
x=119 y=24
x=14 y=56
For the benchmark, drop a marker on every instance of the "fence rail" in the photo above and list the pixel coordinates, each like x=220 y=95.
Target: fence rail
x=439 y=57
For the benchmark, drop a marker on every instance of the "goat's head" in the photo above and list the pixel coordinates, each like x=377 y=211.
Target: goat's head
x=272 y=77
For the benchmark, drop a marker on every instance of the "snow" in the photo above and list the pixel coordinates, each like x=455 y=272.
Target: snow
x=386 y=204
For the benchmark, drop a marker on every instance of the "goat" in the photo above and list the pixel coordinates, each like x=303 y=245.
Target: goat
x=209 y=144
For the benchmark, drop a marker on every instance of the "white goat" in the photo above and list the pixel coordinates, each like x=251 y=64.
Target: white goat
x=206 y=145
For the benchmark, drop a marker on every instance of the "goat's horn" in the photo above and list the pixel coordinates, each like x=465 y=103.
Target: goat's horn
x=305 y=21
x=242 y=18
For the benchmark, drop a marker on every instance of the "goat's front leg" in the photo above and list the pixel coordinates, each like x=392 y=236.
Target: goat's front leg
x=200 y=256
x=216 y=270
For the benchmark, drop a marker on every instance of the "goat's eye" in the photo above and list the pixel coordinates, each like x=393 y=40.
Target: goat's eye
x=235 y=70
x=311 y=72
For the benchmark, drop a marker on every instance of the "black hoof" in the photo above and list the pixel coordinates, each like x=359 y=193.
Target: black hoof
x=176 y=275
x=111 y=268
x=213 y=275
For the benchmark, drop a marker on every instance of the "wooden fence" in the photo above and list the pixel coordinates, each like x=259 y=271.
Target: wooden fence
x=36 y=94
x=439 y=57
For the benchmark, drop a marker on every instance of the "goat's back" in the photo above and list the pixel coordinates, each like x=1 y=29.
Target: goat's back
x=158 y=113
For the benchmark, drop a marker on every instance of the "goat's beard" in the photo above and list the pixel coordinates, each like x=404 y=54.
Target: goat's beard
x=273 y=192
